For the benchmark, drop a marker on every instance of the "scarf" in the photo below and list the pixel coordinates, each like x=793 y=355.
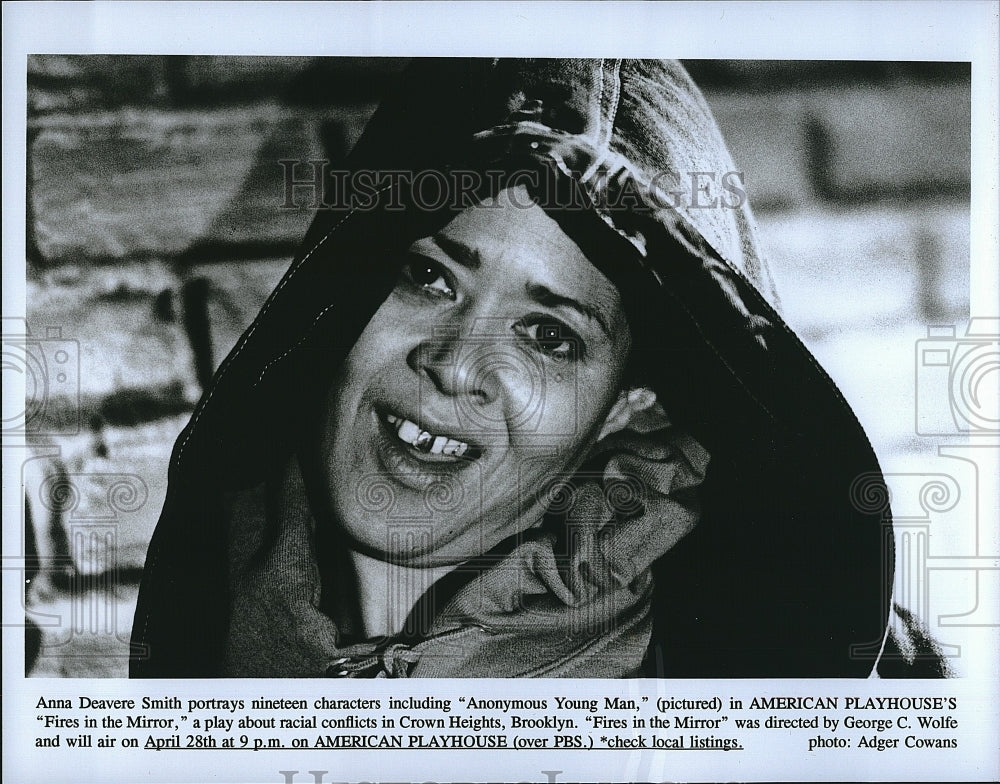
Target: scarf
x=568 y=598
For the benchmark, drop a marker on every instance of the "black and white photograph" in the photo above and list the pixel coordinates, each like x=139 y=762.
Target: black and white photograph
x=538 y=376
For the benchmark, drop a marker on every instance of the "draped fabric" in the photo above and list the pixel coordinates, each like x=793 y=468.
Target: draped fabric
x=766 y=563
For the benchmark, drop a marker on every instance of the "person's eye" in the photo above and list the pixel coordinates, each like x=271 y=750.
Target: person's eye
x=428 y=275
x=551 y=338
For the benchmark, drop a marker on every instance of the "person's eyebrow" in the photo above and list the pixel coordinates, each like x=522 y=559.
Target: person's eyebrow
x=547 y=298
x=461 y=253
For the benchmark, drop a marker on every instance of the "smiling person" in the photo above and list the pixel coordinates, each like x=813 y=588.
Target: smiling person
x=540 y=419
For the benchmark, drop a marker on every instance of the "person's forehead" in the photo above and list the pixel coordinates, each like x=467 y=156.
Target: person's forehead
x=511 y=238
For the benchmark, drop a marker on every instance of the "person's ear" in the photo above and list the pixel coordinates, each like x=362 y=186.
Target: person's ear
x=631 y=407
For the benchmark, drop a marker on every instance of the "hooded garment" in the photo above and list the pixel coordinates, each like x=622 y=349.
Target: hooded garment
x=741 y=534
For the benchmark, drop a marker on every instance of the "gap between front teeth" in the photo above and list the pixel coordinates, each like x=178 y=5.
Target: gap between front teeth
x=410 y=433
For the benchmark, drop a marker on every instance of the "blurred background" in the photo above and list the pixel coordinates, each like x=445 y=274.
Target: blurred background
x=156 y=230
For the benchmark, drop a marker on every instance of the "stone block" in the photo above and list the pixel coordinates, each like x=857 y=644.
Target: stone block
x=766 y=136
x=109 y=316
x=870 y=267
x=87 y=83
x=101 y=493
x=893 y=142
x=152 y=184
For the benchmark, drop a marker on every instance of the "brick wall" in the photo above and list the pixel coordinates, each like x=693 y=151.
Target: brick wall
x=155 y=233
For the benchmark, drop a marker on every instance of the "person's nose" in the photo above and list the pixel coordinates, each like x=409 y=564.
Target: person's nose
x=459 y=365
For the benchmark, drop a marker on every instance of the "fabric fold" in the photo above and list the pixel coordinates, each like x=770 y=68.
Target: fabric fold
x=578 y=581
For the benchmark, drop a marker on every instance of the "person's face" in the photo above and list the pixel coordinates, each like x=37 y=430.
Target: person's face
x=487 y=373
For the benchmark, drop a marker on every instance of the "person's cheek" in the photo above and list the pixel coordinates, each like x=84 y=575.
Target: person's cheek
x=541 y=407
x=597 y=390
x=382 y=344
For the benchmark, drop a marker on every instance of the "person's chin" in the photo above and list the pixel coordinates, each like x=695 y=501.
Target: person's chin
x=411 y=544
x=416 y=507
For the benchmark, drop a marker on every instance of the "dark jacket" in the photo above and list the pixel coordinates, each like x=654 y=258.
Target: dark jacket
x=788 y=571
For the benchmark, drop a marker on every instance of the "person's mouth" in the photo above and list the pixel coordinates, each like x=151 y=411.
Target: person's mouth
x=427 y=444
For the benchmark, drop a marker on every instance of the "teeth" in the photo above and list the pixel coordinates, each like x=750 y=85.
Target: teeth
x=456 y=448
x=424 y=441
x=410 y=433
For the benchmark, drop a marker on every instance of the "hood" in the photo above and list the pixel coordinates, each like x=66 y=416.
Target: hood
x=788 y=571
